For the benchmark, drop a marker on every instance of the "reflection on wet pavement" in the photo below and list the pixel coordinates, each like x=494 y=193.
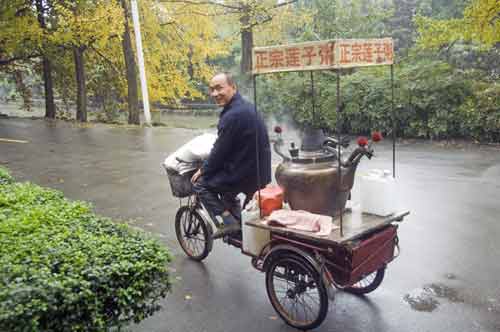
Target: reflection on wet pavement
x=425 y=298
x=450 y=276
x=444 y=291
x=421 y=300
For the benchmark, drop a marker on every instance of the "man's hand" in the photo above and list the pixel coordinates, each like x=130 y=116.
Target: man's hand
x=195 y=176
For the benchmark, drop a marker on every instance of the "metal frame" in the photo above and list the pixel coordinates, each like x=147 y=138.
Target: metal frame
x=339 y=127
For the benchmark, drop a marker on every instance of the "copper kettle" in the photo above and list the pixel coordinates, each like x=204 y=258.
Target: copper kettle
x=310 y=177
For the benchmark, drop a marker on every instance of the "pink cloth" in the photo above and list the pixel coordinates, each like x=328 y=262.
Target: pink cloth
x=302 y=220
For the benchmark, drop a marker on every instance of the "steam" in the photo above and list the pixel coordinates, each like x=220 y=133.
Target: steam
x=290 y=130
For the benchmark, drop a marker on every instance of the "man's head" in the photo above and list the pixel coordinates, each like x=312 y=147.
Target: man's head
x=222 y=88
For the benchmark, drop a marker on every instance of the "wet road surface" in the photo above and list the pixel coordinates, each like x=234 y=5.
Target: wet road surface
x=447 y=277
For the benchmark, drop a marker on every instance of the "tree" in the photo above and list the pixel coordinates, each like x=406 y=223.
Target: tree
x=61 y=26
x=130 y=68
x=249 y=14
x=24 y=26
x=179 y=41
x=81 y=25
x=341 y=19
x=480 y=24
x=50 y=108
x=20 y=32
x=402 y=27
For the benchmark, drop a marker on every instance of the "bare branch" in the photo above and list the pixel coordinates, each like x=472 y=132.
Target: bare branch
x=112 y=65
x=210 y=3
x=4 y=62
x=284 y=3
x=197 y=13
x=269 y=18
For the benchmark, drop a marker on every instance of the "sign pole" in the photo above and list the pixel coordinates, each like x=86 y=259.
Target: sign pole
x=140 y=62
x=393 y=125
x=339 y=156
x=257 y=153
x=313 y=100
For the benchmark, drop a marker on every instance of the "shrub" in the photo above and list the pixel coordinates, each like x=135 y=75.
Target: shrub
x=63 y=268
x=480 y=114
x=432 y=99
x=5 y=177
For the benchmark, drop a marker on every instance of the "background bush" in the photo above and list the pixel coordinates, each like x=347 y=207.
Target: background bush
x=62 y=268
x=432 y=99
x=5 y=177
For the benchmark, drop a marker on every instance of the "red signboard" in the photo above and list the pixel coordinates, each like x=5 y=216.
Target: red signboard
x=328 y=54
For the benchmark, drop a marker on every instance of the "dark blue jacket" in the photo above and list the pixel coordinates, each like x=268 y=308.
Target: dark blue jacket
x=232 y=163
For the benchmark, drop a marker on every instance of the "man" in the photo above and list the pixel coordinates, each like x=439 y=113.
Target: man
x=231 y=167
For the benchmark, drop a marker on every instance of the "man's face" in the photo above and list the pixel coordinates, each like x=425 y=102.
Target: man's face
x=220 y=90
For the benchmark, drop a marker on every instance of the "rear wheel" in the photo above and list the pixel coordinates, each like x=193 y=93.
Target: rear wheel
x=368 y=284
x=192 y=233
x=296 y=292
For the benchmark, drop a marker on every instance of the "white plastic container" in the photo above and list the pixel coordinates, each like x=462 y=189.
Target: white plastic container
x=377 y=191
x=254 y=239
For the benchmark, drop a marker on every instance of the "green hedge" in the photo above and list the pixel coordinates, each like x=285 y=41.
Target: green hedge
x=5 y=177
x=62 y=268
x=432 y=99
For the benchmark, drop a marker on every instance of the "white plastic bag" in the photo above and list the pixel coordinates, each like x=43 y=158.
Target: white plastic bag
x=196 y=149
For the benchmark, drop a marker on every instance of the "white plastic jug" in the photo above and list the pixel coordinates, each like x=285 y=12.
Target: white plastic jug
x=377 y=191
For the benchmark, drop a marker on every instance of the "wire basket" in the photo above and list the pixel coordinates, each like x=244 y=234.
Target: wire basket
x=180 y=184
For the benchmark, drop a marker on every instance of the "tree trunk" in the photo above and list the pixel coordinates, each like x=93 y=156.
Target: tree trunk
x=246 y=46
x=81 y=90
x=131 y=68
x=24 y=90
x=190 y=68
x=50 y=108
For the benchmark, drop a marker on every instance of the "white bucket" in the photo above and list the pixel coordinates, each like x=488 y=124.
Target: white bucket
x=377 y=192
x=254 y=239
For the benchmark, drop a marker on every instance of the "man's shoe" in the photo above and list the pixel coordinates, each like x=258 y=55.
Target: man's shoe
x=226 y=230
x=229 y=219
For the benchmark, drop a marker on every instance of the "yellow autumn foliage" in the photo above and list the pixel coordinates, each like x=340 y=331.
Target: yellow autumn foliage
x=179 y=40
x=86 y=23
x=20 y=33
x=177 y=45
x=480 y=24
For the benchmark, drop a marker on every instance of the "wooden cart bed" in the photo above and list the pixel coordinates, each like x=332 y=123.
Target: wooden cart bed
x=355 y=225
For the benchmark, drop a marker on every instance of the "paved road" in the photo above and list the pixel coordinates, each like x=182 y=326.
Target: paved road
x=446 y=279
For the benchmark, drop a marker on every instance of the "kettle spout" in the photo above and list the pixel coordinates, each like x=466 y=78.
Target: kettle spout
x=356 y=156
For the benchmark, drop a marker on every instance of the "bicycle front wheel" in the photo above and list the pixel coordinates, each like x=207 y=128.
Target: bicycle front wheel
x=192 y=233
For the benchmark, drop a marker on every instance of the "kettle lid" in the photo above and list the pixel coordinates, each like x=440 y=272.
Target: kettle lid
x=312 y=139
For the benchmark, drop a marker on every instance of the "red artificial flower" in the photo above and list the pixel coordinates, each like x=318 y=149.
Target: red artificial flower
x=376 y=136
x=362 y=141
x=277 y=130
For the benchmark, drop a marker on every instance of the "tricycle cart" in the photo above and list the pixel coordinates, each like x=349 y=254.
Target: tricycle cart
x=302 y=268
